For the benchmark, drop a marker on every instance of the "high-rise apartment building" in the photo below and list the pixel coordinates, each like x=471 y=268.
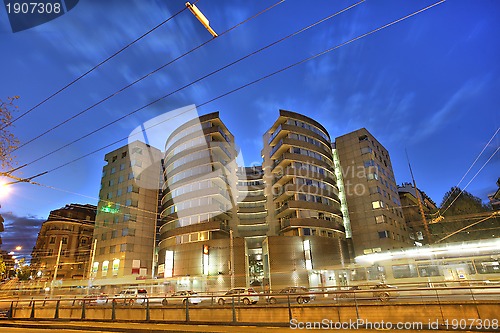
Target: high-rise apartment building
x=376 y=217
x=307 y=235
x=198 y=212
x=127 y=213
x=70 y=230
x=273 y=225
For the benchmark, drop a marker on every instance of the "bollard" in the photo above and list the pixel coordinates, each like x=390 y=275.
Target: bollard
x=147 y=310
x=187 y=309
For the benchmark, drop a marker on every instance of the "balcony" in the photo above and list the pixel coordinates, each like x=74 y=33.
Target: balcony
x=305 y=205
x=310 y=222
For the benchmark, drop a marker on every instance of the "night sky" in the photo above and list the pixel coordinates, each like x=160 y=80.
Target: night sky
x=428 y=84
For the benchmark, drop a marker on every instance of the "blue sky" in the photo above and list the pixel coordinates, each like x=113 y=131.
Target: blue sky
x=428 y=84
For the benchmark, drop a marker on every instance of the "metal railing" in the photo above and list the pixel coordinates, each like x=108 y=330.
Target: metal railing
x=348 y=303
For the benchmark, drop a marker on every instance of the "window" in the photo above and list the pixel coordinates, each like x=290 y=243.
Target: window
x=120 y=179
x=130 y=176
x=103 y=236
x=122 y=166
x=428 y=270
x=128 y=202
x=109 y=195
x=363 y=137
x=83 y=241
x=119 y=192
x=383 y=234
x=65 y=240
x=112 y=249
x=113 y=170
x=380 y=219
x=377 y=204
x=123 y=247
x=136 y=163
x=111 y=182
x=52 y=240
x=124 y=233
x=404 y=271
x=366 y=150
x=114 y=234
x=124 y=154
x=369 y=163
x=102 y=250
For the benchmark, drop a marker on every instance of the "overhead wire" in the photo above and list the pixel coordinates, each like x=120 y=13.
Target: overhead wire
x=270 y=75
x=132 y=84
x=467 y=172
x=93 y=68
x=254 y=81
x=200 y=78
x=477 y=173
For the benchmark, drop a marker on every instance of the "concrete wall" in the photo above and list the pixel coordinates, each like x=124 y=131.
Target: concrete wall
x=423 y=313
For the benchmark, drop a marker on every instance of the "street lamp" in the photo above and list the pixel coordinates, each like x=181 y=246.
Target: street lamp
x=19 y=248
x=203 y=20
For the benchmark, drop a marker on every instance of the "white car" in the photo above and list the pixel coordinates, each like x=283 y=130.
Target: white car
x=182 y=297
x=131 y=296
x=246 y=296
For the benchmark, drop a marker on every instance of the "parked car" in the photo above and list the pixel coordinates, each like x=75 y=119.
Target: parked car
x=94 y=299
x=246 y=296
x=295 y=294
x=382 y=292
x=131 y=296
x=182 y=297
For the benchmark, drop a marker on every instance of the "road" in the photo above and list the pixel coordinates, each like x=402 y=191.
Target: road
x=73 y=327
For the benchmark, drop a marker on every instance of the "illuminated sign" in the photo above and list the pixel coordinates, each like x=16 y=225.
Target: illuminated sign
x=107 y=209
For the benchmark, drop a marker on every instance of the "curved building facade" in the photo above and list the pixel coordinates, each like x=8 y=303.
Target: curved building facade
x=198 y=206
x=269 y=226
x=303 y=200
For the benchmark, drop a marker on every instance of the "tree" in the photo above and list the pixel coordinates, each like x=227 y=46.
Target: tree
x=461 y=204
x=460 y=210
x=8 y=141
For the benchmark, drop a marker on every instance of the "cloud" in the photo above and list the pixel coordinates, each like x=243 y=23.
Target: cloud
x=453 y=105
x=20 y=231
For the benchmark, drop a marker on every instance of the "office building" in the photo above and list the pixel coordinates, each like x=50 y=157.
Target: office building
x=126 y=218
x=376 y=217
